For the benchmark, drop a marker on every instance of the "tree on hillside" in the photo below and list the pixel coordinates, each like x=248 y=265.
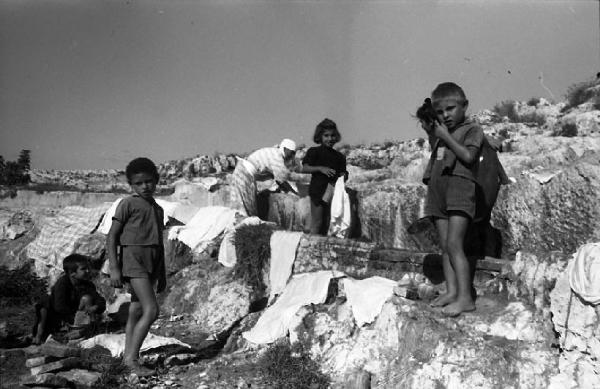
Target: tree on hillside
x=16 y=173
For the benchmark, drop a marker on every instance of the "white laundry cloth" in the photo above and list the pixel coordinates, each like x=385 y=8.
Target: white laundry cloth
x=227 y=253
x=339 y=224
x=116 y=343
x=104 y=227
x=584 y=272
x=303 y=289
x=283 y=254
x=206 y=225
x=366 y=297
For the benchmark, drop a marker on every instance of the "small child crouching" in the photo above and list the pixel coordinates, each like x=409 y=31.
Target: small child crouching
x=73 y=294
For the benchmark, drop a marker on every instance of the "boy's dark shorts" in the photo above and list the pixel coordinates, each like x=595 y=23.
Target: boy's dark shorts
x=142 y=262
x=447 y=193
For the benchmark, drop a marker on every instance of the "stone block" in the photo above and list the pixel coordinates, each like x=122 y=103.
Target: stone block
x=45 y=380
x=81 y=378
x=59 y=350
x=61 y=364
x=179 y=359
x=37 y=361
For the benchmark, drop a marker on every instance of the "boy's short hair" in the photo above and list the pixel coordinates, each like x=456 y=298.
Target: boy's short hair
x=447 y=89
x=141 y=165
x=325 y=125
x=72 y=262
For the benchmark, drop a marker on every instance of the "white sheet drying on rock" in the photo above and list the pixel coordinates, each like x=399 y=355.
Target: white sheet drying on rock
x=116 y=343
x=283 y=253
x=339 y=222
x=104 y=227
x=366 y=297
x=303 y=289
x=206 y=225
x=584 y=273
x=227 y=253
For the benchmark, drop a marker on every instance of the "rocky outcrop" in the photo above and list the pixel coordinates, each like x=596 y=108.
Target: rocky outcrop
x=578 y=326
x=412 y=346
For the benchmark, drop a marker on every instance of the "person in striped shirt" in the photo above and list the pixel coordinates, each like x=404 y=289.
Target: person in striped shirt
x=265 y=163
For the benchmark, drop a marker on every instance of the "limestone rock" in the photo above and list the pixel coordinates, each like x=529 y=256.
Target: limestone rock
x=92 y=246
x=81 y=378
x=558 y=215
x=578 y=326
x=412 y=346
x=533 y=277
x=208 y=293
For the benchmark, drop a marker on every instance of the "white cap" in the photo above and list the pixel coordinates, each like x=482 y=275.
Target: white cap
x=288 y=144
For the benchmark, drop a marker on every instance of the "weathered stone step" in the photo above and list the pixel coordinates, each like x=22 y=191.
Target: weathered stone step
x=425 y=259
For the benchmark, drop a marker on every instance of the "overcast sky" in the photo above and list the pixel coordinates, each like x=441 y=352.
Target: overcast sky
x=93 y=84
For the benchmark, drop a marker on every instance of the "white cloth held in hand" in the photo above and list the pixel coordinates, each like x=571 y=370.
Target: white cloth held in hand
x=339 y=224
x=584 y=272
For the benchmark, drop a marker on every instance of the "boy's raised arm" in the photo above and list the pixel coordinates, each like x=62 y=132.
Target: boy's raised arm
x=112 y=239
x=467 y=154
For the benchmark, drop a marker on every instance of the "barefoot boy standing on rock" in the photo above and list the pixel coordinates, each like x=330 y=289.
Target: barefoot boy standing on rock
x=451 y=189
x=137 y=227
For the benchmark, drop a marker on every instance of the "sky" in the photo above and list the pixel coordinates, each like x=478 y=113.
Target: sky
x=94 y=84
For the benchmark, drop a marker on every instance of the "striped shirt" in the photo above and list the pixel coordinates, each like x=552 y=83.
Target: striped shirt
x=269 y=160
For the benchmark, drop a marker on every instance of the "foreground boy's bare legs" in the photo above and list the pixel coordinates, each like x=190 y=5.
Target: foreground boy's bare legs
x=458 y=297
x=449 y=275
x=141 y=315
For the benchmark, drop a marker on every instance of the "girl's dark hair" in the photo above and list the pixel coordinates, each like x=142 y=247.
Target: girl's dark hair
x=141 y=165
x=325 y=125
x=72 y=262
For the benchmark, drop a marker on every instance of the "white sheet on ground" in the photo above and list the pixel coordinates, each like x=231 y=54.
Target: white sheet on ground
x=366 y=297
x=116 y=343
x=227 y=253
x=303 y=289
x=167 y=206
x=584 y=272
x=206 y=225
x=121 y=299
x=339 y=222
x=283 y=253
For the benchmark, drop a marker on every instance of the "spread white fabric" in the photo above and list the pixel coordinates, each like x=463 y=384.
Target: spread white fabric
x=584 y=272
x=206 y=225
x=283 y=253
x=116 y=343
x=303 y=289
x=339 y=224
x=366 y=297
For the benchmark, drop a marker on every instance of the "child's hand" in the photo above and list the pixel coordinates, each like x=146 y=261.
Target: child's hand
x=116 y=278
x=440 y=130
x=161 y=285
x=329 y=172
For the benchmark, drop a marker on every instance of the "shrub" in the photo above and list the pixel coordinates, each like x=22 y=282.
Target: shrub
x=581 y=92
x=20 y=286
x=287 y=367
x=568 y=129
x=253 y=251
x=507 y=109
x=533 y=102
x=532 y=117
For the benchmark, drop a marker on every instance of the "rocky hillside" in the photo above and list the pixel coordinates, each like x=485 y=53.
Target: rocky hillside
x=529 y=330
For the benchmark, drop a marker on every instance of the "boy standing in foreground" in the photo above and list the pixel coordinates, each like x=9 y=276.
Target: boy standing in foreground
x=451 y=190
x=137 y=227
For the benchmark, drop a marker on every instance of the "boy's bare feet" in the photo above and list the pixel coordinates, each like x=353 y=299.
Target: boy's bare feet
x=443 y=300
x=138 y=370
x=459 y=306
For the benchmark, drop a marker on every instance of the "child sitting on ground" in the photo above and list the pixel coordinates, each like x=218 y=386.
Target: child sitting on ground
x=137 y=227
x=325 y=165
x=451 y=190
x=73 y=294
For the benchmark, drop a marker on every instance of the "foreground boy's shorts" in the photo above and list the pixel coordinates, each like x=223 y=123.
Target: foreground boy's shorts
x=449 y=193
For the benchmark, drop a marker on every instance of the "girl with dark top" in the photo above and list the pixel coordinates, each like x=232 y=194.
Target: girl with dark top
x=325 y=165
